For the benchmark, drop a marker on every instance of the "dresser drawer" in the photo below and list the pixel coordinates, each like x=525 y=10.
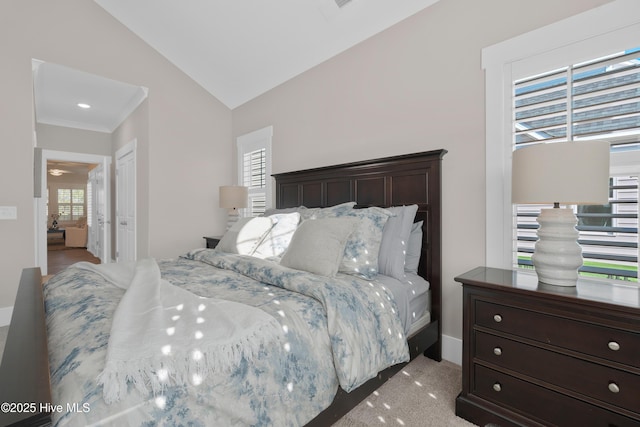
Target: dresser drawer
x=606 y=342
x=617 y=387
x=540 y=404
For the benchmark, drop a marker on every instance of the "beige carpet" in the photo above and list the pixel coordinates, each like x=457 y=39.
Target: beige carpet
x=421 y=395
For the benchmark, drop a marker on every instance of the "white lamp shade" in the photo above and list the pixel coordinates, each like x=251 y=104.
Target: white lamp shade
x=234 y=196
x=570 y=173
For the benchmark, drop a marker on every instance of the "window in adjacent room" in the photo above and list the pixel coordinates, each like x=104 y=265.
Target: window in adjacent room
x=71 y=203
x=595 y=99
x=254 y=169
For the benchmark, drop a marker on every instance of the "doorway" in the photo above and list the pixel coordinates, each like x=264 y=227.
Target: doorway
x=86 y=117
x=69 y=216
x=101 y=203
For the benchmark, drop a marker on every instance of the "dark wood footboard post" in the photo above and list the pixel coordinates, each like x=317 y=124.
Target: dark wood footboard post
x=25 y=387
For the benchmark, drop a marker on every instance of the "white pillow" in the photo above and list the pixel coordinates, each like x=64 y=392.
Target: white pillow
x=318 y=245
x=273 y=211
x=395 y=240
x=278 y=238
x=245 y=235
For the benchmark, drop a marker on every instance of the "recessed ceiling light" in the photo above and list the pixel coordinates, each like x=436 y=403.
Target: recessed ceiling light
x=83 y=105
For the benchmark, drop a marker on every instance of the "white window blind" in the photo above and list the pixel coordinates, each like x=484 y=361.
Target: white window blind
x=71 y=203
x=597 y=99
x=254 y=168
x=254 y=177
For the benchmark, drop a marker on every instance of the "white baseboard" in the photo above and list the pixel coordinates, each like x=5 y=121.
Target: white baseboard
x=5 y=316
x=452 y=349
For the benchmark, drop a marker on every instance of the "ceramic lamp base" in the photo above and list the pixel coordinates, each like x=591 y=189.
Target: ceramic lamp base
x=558 y=256
x=232 y=217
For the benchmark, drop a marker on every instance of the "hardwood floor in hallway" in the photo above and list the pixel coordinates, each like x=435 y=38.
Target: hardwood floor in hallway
x=60 y=257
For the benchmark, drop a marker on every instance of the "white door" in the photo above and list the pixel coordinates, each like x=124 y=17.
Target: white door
x=103 y=233
x=126 y=203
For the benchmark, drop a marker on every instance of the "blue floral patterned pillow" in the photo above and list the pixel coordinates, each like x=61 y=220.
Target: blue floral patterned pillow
x=361 y=252
x=329 y=212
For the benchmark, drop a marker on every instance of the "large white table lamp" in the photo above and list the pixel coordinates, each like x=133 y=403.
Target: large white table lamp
x=567 y=173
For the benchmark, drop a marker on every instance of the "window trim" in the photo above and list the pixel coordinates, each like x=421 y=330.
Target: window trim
x=258 y=139
x=587 y=35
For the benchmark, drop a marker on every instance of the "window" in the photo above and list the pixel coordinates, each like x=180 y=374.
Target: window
x=254 y=169
x=571 y=80
x=598 y=99
x=71 y=203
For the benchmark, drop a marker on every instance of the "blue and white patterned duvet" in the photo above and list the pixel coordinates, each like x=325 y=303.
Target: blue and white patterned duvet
x=336 y=332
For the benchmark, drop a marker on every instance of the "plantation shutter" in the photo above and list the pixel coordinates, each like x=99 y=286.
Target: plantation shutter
x=598 y=99
x=255 y=178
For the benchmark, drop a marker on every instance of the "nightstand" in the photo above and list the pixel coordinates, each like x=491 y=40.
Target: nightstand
x=212 y=242
x=535 y=354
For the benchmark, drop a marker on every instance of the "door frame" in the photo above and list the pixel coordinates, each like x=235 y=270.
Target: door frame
x=41 y=202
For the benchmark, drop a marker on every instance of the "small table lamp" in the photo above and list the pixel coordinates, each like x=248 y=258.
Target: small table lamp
x=233 y=197
x=568 y=173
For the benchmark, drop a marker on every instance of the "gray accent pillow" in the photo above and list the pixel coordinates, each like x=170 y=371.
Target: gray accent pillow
x=318 y=245
x=395 y=241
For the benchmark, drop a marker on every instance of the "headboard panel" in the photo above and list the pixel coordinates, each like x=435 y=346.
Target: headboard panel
x=390 y=181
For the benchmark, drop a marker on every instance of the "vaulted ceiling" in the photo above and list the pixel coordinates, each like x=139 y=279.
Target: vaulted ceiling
x=235 y=49
x=239 y=49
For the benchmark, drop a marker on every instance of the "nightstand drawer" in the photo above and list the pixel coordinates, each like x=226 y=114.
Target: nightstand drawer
x=542 y=405
x=614 y=386
x=606 y=342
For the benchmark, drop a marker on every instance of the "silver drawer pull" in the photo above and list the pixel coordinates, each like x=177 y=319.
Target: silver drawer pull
x=497 y=351
x=614 y=346
x=497 y=387
x=613 y=388
x=497 y=318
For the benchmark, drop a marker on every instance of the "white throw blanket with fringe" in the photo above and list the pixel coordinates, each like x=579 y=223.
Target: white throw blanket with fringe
x=163 y=334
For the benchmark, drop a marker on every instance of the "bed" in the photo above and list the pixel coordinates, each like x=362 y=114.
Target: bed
x=291 y=378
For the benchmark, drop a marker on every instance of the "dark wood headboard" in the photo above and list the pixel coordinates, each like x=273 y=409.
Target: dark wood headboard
x=390 y=181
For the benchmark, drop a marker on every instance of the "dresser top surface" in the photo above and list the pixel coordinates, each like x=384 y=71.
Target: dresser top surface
x=586 y=291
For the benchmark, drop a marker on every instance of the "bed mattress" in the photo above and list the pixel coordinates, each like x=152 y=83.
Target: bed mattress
x=412 y=296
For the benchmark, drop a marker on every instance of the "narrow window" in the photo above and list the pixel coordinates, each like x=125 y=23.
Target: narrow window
x=254 y=167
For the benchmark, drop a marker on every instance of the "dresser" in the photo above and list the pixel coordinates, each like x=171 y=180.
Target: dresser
x=536 y=354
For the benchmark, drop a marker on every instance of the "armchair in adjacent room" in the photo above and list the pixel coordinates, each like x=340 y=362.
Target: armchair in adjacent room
x=77 y=236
